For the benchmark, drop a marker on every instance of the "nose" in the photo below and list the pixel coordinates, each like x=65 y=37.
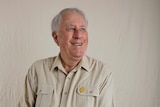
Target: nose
x=77 y=34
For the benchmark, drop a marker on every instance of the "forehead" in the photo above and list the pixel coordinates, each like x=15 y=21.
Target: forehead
x=72 y=18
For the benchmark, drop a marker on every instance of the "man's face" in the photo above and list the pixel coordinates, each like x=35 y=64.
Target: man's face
x=72 y=35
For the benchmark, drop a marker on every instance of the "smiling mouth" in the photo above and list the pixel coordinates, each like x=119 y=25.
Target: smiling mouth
x=77 y=44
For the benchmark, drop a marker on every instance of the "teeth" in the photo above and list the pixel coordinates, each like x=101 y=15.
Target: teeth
x=77 y=44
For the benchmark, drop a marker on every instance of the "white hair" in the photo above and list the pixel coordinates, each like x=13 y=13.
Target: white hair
x=57 y=19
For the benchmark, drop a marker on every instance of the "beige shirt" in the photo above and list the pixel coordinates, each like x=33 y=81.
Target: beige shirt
x=49 y=85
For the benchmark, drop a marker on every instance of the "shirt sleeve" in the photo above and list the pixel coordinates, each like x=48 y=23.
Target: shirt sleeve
x=29 y=94
x=106 y=92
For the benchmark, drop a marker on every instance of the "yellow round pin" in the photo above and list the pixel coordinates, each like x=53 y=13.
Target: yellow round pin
x=82 y=89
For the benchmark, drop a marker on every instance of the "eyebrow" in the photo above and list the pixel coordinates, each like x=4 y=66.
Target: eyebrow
x=70 y=25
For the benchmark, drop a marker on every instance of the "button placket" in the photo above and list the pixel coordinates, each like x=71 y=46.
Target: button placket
x=66 y=93
x=68 y=78
x=65 y=90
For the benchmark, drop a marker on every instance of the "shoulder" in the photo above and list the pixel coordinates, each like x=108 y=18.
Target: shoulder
x=93 y=61
x=44 y=62
x=98 y=71
x=97 y=65
x=41 y=65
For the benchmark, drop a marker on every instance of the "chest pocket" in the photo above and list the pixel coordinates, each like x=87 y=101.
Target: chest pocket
x=44 y=96
x=87 y=96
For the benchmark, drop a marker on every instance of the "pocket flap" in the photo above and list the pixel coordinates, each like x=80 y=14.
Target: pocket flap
x=88 y=90
x=45 y=89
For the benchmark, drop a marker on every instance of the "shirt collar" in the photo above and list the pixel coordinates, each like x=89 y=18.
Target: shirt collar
x=84 y=63
x=57 y=63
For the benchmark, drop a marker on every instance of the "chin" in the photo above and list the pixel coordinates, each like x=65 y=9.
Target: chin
x=78 y=56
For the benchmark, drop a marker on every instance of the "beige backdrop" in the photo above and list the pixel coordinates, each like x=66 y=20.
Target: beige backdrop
x=125 y=34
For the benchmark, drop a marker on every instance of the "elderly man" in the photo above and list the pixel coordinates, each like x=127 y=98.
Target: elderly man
x=70 y=79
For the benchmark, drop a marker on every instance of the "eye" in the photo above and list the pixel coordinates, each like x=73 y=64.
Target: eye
x=83 y=29
x=71 y=28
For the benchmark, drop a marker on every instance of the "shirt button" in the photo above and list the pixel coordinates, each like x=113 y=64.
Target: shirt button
x=65 y=93
x=90 y=92
x=69 y=78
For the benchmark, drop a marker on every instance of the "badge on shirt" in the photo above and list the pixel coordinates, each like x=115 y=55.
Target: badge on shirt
x=82 y=89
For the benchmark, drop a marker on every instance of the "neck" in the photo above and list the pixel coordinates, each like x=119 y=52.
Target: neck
x=69 y=64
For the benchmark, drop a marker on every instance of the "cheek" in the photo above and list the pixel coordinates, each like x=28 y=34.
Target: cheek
x=63 y=40
x=86 y=38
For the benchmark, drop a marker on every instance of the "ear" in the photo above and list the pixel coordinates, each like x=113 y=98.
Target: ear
x=54 y=35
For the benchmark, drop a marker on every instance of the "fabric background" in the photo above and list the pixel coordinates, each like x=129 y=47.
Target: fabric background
x=125 y=34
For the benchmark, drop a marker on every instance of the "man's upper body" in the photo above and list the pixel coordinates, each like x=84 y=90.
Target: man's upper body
x=88 y=85
x=70 y=79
